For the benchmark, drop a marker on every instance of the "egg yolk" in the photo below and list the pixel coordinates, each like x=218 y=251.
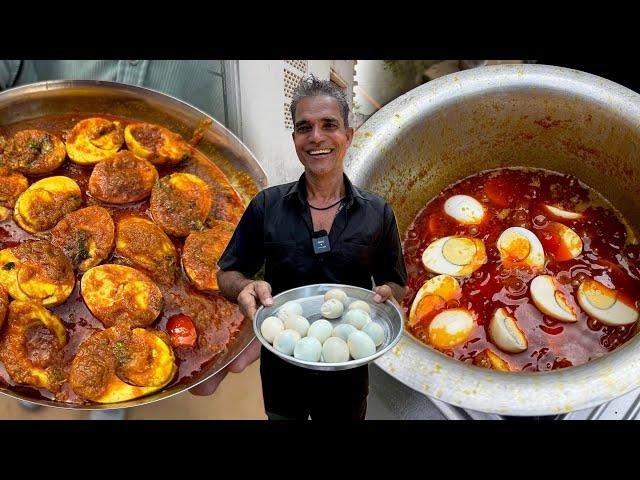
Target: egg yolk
x=450 y=328
x=459 y=251
x=598 y=295
x=516 y=248
x=427 y=306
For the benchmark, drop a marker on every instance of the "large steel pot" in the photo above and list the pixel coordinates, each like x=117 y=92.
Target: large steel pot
x=508 y=115
x=231 y=155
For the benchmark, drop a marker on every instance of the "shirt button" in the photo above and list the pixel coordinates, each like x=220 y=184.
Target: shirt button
x=133 y=63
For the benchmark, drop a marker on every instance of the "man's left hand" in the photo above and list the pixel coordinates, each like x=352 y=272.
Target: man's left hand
x=382 y=293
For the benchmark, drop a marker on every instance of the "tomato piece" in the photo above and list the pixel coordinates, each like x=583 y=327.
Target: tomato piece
x=499 y=191
x=182 y=331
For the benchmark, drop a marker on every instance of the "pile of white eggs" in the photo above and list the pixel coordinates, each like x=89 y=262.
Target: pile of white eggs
x=291 y=334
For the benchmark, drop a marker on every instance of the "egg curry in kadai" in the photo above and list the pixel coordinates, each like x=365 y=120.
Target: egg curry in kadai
x=522 y=270
x=109 y=238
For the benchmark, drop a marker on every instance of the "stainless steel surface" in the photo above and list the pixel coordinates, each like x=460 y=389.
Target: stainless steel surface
x=488 y=117
x=311 y=297
x=99 y=97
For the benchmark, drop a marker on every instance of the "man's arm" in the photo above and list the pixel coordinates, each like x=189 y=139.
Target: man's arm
x=247 y=293
x=391 y=273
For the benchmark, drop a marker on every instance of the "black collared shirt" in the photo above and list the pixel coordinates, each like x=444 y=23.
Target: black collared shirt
x=276 y=230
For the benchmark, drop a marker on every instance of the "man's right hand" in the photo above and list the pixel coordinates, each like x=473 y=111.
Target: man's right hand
x=253 y=295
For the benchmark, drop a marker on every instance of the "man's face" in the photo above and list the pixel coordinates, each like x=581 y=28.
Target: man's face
x=319 y=135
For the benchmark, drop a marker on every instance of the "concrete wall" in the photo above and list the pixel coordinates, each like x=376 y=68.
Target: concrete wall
x=262 y=126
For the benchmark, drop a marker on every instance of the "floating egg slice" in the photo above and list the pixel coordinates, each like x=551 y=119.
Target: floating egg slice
x=450 y=327
x=520 y=247
x=560 y=213
x=465 y=209
x=456 y=255
x=488 y=359
x=432 y=295
x=566 y=244
x=505 y=333
x=604 y=305
x=550 y=300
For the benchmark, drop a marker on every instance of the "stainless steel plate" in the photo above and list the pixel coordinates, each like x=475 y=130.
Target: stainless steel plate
x=389 y=316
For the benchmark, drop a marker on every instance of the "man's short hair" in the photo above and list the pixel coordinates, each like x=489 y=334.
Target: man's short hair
x=312 y=86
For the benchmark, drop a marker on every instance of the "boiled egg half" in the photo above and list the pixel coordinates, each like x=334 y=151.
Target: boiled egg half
x=505 y=333
x=520 y=247
x=550 y=300
x=434 y=294
x=560 y=213
x=561 y=241
x=455 y=255
x=451 y=327
x=465 y=209
x=604 y=305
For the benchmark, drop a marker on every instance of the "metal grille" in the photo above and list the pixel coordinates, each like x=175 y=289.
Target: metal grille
x=288 y=121
x=294 y=71
x=300 y=65
x=291 y=81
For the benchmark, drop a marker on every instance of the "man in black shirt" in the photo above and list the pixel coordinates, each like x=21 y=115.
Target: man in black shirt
x=279 y=229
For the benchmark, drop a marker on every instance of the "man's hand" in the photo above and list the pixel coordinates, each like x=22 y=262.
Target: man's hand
x=252 y=295
x=247 y=357
x=388 y=291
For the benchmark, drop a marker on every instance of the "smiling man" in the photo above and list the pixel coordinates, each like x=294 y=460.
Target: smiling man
x=280 y=229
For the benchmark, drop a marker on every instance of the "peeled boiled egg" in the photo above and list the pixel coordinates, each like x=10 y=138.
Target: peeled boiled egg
x=433 y=294
x=357 y=318
x=308 y=349
x=335 y=350
x=288 y=309
x=375 y=331
x=270 y=327
x=337 y=294
x=604 y=305
x=331 y=308
x=465 y=209
x=360 y=305
x=560 y=213
x=320 y=329
x=561 y=241
x=360 y=345
x=550 y=300
x=451 y=327
x=520 y=247
x=297 y=323
x=456 y=255
x=505 y=333
x=343 y=331
x=285 y=341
